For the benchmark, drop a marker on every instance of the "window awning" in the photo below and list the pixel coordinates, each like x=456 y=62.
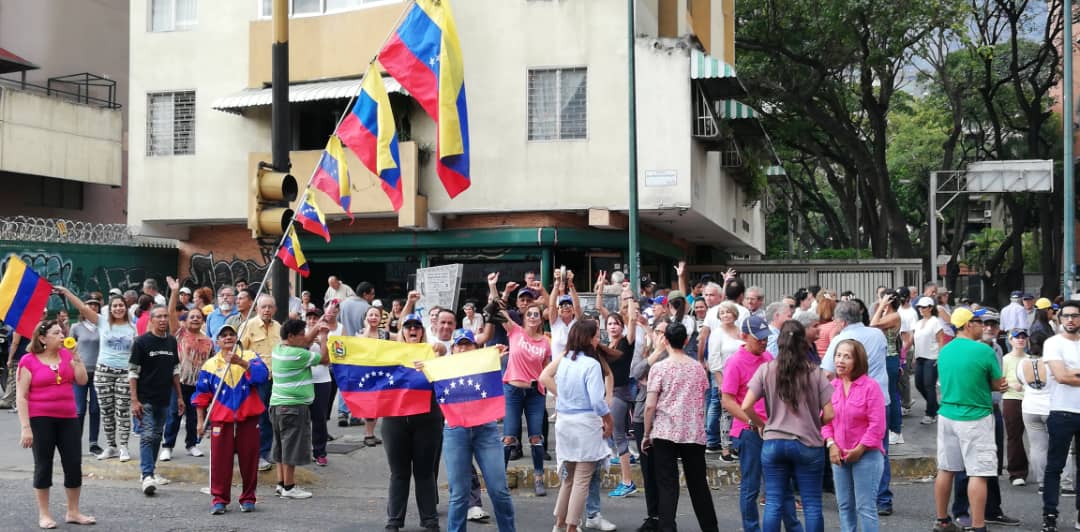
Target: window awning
x=735 y=110
x=302 y=92
x=715 y=76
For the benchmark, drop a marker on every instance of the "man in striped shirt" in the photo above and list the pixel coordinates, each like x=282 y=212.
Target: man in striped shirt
x=292 y=393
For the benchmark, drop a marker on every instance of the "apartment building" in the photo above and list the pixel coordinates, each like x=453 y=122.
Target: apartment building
x=548 y=102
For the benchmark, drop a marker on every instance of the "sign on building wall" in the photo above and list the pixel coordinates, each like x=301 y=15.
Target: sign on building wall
x=439 y=286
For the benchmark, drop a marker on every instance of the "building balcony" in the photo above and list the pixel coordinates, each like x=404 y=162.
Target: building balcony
x=54 y=134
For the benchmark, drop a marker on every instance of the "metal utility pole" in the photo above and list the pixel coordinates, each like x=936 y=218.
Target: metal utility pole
x=280 y=135
x=1069 y=251
x=633 y=252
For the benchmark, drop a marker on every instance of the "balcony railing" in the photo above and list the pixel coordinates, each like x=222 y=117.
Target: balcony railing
x=85 y=88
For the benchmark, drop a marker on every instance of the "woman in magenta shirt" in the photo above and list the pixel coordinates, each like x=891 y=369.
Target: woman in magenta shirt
x=854 y=438
x=46 y=400
x=530 y=351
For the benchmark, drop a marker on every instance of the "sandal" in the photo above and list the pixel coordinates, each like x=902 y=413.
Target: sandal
x=81 y=520
x=46 y=524
x=371 y=441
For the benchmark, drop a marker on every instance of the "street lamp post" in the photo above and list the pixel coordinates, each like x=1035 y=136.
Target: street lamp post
x=633 y=252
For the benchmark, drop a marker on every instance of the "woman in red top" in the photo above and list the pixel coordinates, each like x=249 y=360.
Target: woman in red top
x=46 y=400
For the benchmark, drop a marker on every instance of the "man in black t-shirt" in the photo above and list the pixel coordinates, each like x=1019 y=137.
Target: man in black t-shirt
x=154 y=377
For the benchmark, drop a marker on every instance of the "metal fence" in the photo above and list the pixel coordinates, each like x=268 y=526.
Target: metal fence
x=780 y=278
x=30 y=229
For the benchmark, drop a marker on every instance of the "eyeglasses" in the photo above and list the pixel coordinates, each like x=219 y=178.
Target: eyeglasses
x=532 y=314
x=1069 y=316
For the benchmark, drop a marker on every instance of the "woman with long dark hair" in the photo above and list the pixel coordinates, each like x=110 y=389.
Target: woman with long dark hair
x=797 y=399
x=583 y=423
x=621 y=340
x=530 y=351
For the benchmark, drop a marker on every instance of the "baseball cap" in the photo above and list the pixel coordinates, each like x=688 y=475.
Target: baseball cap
x=991 y=315
x=903 y=293
x=675 y=294
x=925 y=301
x=526 y=291
x=1027 y=295
x=961 y=316
x=756 y=326
x=1042 y=303
x=411 y=318
x=377 y=303
x=1017 y=332
x=569 y=300
x=93 y=300
x=463 y=335
x=115 y=292
x=1016 y=294
x=185 y=290
x=662 y=300
x=226 y=326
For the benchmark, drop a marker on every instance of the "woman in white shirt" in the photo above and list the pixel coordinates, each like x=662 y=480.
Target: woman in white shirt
x=729 y=343
x=1035 y=375
x=929 y=337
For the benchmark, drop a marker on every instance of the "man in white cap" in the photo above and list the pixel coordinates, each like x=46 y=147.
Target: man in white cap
x=185 y=298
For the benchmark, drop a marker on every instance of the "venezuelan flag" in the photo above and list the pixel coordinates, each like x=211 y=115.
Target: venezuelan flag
x=311 y=218
x=377 y=377
x=238 y=399
x=291 y=255
x=23 y=297
x=424 y=55
x=468 y=387
x=368 y=130
x=332 y=175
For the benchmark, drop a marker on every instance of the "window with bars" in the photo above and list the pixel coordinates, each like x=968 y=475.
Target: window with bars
x=318 y=7
x=170 y=123
x=172 y=15
x=558 y=104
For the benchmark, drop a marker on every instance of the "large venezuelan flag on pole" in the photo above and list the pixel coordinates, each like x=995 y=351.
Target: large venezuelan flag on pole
x=468 y=387
x=377 y=377
x=369 y=131
x=332 y=175
x=424 y=55
x=23 y=297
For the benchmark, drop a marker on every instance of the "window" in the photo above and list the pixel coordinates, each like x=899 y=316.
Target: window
x=557 y=104
x=170 y=123
x=302 y=8
x=172 y=15
x=50 y=192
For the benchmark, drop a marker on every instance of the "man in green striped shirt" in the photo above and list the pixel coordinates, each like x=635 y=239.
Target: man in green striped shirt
x=293 y=391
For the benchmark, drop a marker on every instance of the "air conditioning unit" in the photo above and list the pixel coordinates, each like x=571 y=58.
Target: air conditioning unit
x=988 y=213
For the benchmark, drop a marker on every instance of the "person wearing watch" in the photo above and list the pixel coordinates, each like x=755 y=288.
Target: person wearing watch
x=853 y=438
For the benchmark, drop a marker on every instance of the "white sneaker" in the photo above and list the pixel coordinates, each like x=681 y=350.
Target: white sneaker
x=476 y=513
x=109 y=452
x=124 y=454
x=1076 y=525
x=905 y=411
x=165 y=454
x=160 y=480
x=895 y=438
x=1019 y=482
x=264 y=465
x=278 y=489
x=148 y=486
x=928 y=420
x=195 y=451
x=599 y=523
x=295 y=493
x=558 y=528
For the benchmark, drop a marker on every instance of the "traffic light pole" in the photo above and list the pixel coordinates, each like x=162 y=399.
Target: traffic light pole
x=280 y=136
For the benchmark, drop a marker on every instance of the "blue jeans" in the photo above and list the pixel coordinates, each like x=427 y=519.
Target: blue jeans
x=748 y=443
x=266 y=431
x=153 y=425
x=342 y=408
x=884 y=494
x=894 y=416
x=191 y=420
x=855 y=486
x=592 y=501
x=460 y=446
x=531 y=401
x=82 y=395
x=782 y=462
x=712 y=415
x=1063 y=428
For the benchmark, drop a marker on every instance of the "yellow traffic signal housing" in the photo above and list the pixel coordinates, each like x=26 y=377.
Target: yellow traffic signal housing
x=269 y=195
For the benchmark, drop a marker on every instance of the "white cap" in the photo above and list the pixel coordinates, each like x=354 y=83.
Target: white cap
x=925 y=301
x=377 y=303
x=185 y=290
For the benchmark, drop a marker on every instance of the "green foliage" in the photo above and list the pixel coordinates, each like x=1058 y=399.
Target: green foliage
x=982 y=245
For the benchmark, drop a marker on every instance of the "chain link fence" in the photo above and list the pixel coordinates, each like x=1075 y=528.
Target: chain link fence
x=25 y=228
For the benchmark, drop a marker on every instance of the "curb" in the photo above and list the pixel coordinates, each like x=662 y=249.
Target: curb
x=189 y=473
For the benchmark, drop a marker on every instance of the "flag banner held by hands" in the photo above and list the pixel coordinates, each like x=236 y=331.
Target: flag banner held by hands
x=23 y=297
x=292 y=256
x=424 y=55
x=468 y=387
x=311 y=218
x=332 y=175
x=369 y=131
x=377 y=378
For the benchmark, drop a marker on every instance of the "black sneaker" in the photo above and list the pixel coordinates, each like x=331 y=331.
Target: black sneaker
x=343 y=421
x=1049 y=523
x=1003 y=520
x=1067 y=492
x=884 y=511
x=713 y=450
x=96 y=449
x=651 y=524
x=946 y=526
x=515 y=453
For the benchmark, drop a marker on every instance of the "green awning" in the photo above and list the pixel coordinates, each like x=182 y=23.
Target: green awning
x=735 y=110
x=705 y=66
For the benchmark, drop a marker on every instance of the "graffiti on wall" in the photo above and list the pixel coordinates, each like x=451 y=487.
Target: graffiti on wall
x=205 y=270
x=59 y=270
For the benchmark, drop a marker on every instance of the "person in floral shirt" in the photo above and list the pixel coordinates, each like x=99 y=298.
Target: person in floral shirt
x=193 y=347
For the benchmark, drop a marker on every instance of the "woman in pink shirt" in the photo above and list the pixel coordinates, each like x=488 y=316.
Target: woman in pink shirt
x=46 y=400
x=530 y=351
x=854 y=438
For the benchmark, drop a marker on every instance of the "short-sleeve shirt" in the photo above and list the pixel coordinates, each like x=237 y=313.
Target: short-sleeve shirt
x=262 y=339
x=680 y=412
x=293 y=384
x=786 y=423
x=89 y=342
x=926 y=339
x=116 y=340
x=527 y=356
x=154 y=361
x=1062 y=396
x=966 y=371
x=193 y=349
x=737 y=374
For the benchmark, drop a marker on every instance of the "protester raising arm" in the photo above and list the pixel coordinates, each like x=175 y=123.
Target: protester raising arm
x=88 y=313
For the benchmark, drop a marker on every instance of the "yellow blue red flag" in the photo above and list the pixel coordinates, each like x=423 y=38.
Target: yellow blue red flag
x=468 y=387
x=311 y=218
x=369 y=131
x=377 y=378
x=23 y=297
x=291 y=255
x=332 y=175
x=424 y=55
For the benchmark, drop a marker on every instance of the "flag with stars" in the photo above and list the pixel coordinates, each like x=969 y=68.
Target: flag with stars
x=377 y=378
x=238 y=399
x=468 y=387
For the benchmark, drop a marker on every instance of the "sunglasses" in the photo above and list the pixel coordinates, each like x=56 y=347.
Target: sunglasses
x=532 y=314
x=414 y=326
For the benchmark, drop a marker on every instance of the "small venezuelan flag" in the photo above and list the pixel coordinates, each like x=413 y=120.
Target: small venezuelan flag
x=292 y=256
x=369 y=131
x=377 y=377
x=311 y=218
x=23 y=297
x=468 y=387
x=332 y=175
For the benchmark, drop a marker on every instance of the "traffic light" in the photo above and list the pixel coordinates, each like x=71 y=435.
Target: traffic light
x=268 y=201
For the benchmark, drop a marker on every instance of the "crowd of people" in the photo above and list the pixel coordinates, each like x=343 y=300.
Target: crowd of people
x=807 y=393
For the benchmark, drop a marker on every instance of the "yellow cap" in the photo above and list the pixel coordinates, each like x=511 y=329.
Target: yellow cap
x=1042 y=303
